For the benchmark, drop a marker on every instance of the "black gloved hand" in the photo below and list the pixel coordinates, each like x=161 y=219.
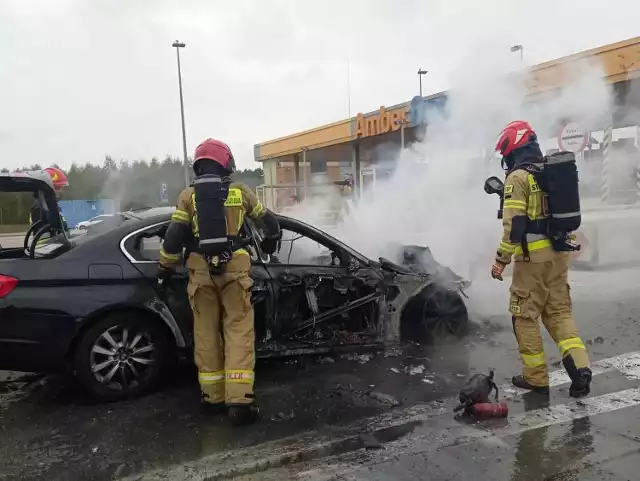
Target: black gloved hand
x=269 y=245
x=164 y=273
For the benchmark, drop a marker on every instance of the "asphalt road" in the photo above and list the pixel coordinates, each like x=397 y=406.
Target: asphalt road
x=319 y=414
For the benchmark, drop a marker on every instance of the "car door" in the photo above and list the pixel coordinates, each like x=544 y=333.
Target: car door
x=144 y=247
x=315 y=280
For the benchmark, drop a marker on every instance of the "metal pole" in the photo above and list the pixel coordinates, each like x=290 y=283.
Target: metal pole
x=178 y=46
x=349 y=85
x=304 y=173
x=402 y=135
x=637 y=146
x=357 y=178
x=605 y=186
x=515 y=48
x=420 y=74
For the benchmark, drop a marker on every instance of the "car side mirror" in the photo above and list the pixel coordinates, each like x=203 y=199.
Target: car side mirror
x=493 y=185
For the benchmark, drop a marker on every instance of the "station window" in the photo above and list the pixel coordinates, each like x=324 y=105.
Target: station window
x=318 y=166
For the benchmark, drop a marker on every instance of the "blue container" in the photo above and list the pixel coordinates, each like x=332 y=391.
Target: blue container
x=80 y=210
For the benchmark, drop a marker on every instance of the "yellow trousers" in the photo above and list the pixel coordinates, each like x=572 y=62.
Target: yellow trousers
x=223 y=329
x=541 y=290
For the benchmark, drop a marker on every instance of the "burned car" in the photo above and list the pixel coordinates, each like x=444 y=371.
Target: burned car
x=92 y=303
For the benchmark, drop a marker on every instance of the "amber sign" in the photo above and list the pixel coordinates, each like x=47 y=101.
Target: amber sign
x=380 y=123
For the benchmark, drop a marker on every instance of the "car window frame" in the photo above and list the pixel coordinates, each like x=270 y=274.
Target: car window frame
x=296 y=236
x=127 y=244
x=321 y=237
x=315 y=236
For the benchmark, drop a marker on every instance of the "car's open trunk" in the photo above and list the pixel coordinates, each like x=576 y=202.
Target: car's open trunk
x=39 y=184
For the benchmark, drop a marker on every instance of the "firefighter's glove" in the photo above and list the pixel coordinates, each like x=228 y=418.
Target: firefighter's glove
x=269 y=245
x=164 y=273
x=497 y=269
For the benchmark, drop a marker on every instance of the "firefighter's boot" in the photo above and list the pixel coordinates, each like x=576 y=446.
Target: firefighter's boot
x=214 y=408
x=519 y=381
x=581 y=386
x=580 y=378
x=243 y=415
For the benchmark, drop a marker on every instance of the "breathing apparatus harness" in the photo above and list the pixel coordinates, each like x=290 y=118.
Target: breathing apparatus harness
x=557 y=176
x=213 y=241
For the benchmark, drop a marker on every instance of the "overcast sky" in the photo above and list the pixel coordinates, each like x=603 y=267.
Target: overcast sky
x=81 y=79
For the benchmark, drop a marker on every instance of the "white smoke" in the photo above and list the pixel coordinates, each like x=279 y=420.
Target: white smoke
x=435 y=197
x=436 y=193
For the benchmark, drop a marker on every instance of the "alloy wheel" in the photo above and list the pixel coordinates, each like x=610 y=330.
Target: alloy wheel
x=121 y=355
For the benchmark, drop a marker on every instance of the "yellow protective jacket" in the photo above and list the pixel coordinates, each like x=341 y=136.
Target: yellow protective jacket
x=241 y=202
x=523 y=201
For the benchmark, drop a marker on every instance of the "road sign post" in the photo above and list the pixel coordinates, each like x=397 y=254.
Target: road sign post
x=164 y=194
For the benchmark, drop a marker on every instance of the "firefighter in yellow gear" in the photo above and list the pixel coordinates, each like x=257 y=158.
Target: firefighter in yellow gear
x=539 y=285
x=223 y=315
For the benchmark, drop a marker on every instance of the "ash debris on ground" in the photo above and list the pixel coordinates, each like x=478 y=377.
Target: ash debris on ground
x=166 y=427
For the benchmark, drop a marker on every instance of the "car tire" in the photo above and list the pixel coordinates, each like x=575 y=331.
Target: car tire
x=107 y=350
x=436 y=313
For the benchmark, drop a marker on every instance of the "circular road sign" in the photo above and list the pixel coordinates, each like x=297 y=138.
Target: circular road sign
x=572 y=138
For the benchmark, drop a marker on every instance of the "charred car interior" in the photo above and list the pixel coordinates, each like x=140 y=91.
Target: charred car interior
x=323 y=297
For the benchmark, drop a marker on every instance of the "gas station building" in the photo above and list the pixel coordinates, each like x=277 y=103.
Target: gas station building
x=348 y=149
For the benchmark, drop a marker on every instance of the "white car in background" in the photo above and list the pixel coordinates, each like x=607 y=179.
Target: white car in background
x=85 y=224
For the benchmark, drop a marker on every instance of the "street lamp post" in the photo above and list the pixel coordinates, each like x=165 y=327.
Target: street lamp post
x=401 y=123
x=178 y=45
x=515 y=48
x=420 y=74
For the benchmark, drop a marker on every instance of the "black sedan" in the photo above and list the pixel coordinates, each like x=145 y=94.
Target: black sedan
x=92 y=303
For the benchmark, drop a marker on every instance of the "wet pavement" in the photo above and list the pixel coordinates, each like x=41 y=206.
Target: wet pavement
x=398 y=404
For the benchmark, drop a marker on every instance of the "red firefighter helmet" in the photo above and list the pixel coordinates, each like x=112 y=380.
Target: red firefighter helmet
x=58 y=178
x=515 y=135
x=217 y=151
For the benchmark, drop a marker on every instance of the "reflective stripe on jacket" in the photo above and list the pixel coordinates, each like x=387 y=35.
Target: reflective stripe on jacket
x=523 y=200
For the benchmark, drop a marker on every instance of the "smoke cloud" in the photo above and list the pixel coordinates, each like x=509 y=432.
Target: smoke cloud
x=435 y=196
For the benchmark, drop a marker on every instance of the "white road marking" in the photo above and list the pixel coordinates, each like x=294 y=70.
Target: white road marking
x=353 y=462
x=628 y=364
x=313 y=444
